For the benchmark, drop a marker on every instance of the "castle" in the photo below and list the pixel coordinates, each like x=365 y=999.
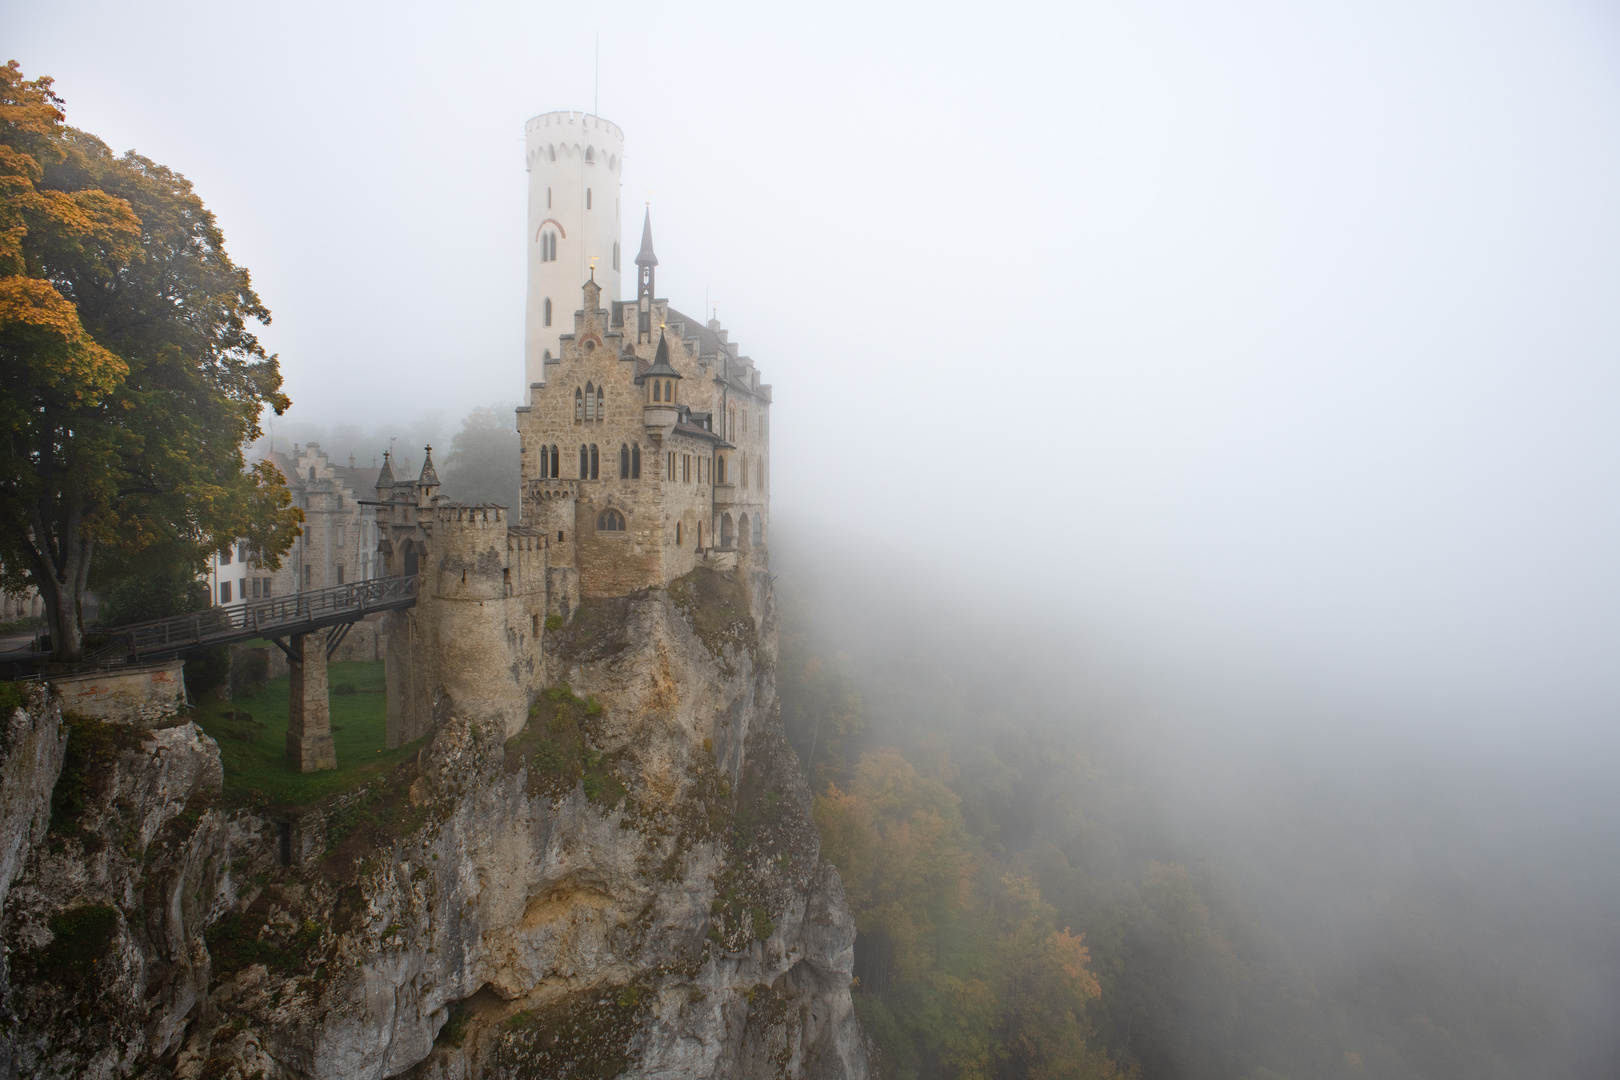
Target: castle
x=645 y=454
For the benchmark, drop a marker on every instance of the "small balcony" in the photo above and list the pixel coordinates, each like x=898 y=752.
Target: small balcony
x=725 y=495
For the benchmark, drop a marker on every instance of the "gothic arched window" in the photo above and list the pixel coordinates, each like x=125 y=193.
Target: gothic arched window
x=658 y=391
x=553 y=247
x=579 y=405
x=742 y=470
x=590 y=155
x=677 y=534
x=554 y=471
x=548 y=311
x=599 y=403
x=584 y=462
x=587 y=197
x=610 y=520
x=545 y=460
x=669 y=390
x=624 y=461
x=635 y=461
x=759 y=529
x=596 y=462
x=615 y=254
x=551 y=153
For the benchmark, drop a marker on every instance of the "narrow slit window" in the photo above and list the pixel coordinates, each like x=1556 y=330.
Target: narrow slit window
x=584 y=462
x=624 y=461
x=587 y=198
x=548 y=311
x=579 y=404
x=635 y=461
x=554 y=471
x=599 y=411
x=595 y=462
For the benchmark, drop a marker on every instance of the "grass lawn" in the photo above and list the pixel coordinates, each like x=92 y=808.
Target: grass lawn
x=252 y=737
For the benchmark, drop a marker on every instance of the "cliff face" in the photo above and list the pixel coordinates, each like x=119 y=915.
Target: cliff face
x=629 y=885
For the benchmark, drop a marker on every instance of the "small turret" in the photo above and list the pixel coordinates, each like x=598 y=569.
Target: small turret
x=658 y=411
x=385 y=478
x=428 y=483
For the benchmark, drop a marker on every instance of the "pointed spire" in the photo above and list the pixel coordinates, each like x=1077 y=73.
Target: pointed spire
x=661 y=367
x=429 y=478
x=646 y=256
x=385 y=478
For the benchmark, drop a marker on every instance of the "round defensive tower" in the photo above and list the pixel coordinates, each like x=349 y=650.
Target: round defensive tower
x=575 y=162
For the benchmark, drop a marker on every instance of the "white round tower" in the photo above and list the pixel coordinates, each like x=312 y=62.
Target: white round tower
x=575 y=163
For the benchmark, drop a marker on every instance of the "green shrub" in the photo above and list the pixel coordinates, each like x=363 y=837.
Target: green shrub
x=81 y=938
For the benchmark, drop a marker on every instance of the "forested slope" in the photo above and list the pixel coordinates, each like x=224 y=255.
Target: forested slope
x=1050 y=880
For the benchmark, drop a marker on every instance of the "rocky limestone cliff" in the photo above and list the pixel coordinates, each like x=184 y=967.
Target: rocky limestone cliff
x=630 y=885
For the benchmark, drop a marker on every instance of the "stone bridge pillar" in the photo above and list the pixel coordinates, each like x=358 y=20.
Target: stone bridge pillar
x=309 y=709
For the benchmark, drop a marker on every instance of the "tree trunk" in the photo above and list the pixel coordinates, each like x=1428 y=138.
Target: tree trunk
x=60 y=571
x=62 y=616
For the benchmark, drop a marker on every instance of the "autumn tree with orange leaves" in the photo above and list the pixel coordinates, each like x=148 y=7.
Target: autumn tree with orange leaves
x=962 y=971
x=130 y=383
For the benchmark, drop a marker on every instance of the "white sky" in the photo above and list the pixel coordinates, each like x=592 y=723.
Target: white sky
x=1281 y=337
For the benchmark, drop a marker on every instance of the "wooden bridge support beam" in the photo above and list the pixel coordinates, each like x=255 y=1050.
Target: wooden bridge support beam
x=309 y=708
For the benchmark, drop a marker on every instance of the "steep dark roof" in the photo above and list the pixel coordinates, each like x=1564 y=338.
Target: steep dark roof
x=684 y=428
x=646 y=256
x=385 y=478
x=661 y=368
x=708 y=340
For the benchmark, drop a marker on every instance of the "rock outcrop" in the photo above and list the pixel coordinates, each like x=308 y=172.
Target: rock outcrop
x=630 y=885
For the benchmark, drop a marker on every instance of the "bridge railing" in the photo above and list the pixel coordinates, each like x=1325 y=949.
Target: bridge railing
x=270 y=617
